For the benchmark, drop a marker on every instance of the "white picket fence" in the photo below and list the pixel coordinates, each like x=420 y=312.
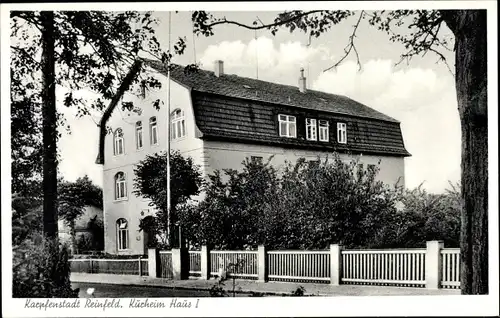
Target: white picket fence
x=431 y=267
x=246 y=260
x=384 y=267
x=450 y=268
x=292 y=266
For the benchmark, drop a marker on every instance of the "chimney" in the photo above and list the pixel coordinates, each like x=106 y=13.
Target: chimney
x=302 y=81
x=218 y=68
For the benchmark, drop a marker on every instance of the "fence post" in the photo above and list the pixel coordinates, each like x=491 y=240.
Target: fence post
x=140 y=266
x=205 y=262
x=335 y=264
x=180 y=263
x=262 y=259
x=154 y=262
x=433 y=264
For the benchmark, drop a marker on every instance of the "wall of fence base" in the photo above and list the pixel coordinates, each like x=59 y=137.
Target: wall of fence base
x=335 y=264
x=154 y=262
x=262 y=265
x=433 y=264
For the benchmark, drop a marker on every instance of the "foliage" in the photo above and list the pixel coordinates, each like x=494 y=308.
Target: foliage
x=26 y=218
x=423 y=217
x=151 y=182
x=217 y=290
x=73 y=197
x=93 y=50
x=309 y=206
x=300 y=291
x=41 y=269
x=96 y=229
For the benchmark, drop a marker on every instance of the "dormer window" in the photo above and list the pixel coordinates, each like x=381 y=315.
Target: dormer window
x=341 y=133
x=323 y=130
x=118 y=144
x=287 y=126
x=178 y=124
x=311 y=129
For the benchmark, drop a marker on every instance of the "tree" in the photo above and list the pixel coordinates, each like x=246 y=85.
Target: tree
x=79 y=50
x=73 y=197
x=419 y=32
x=151 y=182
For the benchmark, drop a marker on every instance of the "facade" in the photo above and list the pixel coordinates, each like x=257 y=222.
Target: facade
x=219 y=120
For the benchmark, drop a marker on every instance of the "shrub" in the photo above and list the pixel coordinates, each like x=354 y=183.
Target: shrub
x=41 y=269
x=307 y=205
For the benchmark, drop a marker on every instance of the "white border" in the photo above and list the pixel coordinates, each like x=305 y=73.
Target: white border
x=314 y=306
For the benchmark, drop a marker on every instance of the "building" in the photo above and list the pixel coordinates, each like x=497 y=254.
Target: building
x=219 y=120
x=83 y=228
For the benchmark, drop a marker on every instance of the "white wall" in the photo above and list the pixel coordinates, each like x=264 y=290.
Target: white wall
x=131 y=208
x=221 y=155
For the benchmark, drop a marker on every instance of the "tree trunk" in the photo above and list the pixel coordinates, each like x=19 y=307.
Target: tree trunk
x=469 y=28
x=49 y=126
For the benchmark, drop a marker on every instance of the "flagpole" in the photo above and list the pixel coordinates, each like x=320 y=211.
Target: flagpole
x=169 y=242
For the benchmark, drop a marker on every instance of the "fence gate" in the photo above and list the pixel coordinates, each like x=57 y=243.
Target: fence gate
x=166 y=265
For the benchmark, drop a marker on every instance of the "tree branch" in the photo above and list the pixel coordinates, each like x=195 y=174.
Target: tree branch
x=350 y=46
x=23 y=52
x=263 y=26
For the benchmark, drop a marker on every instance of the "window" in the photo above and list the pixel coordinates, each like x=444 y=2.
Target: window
x=288 y=127
x=122 y=234
x=118 y=148
x=341 y=133
x=153 y=131
x=178 y=124
x=323 y=130
x=311 y=128
x=120 y=186
x=138 y=134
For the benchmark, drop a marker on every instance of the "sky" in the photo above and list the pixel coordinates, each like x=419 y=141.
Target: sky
x=421 y=94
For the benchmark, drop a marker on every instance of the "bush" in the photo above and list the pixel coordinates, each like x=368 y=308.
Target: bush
x=308 y=205
x=422 y=217
x=41 y=269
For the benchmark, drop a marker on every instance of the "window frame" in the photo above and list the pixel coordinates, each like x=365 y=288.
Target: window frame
x=288 y=124
x=139 y=131
x=177 y=122
x=342 y=133
x=117 y=139
x=312 y=127
x=122 y=234
x=153 y=126
x=325 y=128
x=118 y=189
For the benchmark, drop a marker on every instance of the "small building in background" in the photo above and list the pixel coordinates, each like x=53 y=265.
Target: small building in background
x=89 y=231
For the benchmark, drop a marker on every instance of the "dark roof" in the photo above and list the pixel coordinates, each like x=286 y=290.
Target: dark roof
x=245 y=110
x=257 y=90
